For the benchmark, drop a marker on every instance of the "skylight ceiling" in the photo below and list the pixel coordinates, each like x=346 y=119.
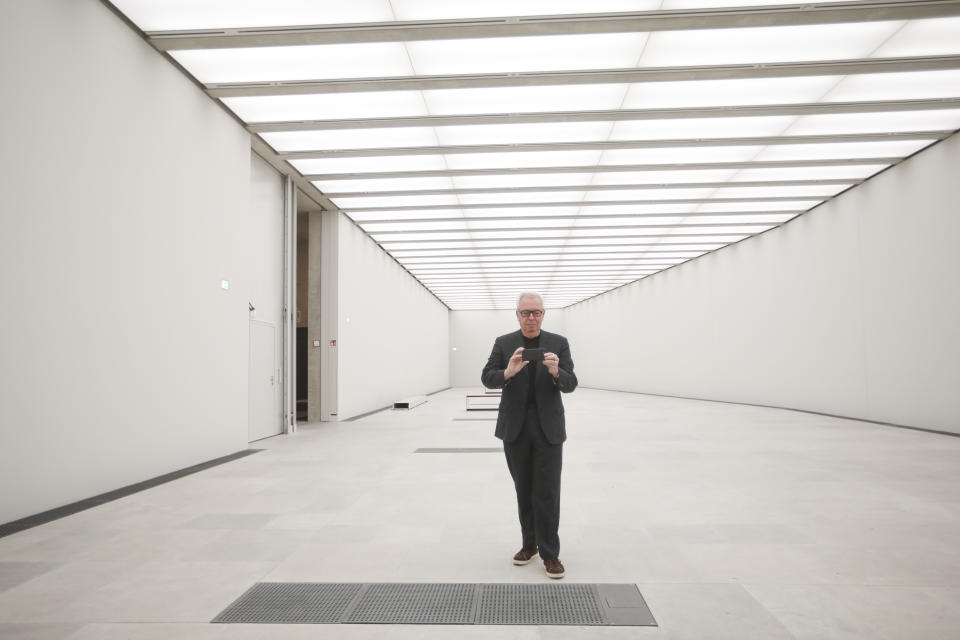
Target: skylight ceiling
x=497 y=146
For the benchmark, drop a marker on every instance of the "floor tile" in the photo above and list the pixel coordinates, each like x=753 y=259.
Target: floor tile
x=734 y=521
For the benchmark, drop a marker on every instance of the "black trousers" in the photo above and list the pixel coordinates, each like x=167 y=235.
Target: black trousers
x=535 y=466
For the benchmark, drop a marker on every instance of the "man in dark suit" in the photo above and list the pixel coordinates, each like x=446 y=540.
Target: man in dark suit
x=531 y=424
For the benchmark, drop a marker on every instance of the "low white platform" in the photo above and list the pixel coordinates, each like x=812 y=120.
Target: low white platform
x=488 y=401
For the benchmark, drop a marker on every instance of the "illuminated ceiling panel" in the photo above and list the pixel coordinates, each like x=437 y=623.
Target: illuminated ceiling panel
x=509 y=148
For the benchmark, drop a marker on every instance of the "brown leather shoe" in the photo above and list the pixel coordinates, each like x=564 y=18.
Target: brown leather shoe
x=554 y=568
x=524 y=556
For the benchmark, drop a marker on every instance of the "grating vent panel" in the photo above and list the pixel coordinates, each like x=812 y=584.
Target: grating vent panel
x=440 y=603
x=291 y=603
x=540 y=604
x=415 y=604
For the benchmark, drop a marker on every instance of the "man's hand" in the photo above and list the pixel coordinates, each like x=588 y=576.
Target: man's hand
x=515 y=364
x=552 y=362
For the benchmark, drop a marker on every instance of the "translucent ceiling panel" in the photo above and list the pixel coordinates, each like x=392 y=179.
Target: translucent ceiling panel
x=636 y=209
x=311 y=62
x=662 y=177
x=521 y=180
x=526 y=54
x=630 y=220
x=684 y=155
x=931 y=37
x=351 y=139
x=896 y=86
x=765 y=44
x=523 y=133
x=700 y=128
x=498 y=212
x=647 y=194
x=525 y=99
x=151 y=15
x=772 y=218
x=823 y=190
x=708 y=238
x=854 y=172
x=379 y=227
x=445 y=10
x=382 y=184
x=714 y=93
x=419 y=214
x=888 y=122
x=394 y=201
x=522 y=159
x=839 y=150
x=522 y=196
x=369 y=165
x=528 y=212
x=328 y=106
x=735 y=207
x=545 y=223
x=424 y=238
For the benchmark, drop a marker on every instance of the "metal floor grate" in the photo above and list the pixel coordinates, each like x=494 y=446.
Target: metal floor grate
x=415 y=604
x=291 y=602
x=540 y=604
x=446 y=603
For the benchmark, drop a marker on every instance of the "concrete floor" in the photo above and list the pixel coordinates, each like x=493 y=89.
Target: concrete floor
x=734 y=521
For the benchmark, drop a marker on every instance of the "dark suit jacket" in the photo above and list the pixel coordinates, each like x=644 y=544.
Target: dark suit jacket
x=514 y=396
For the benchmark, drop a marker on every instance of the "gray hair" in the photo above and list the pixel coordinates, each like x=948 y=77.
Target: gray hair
x=529 y=294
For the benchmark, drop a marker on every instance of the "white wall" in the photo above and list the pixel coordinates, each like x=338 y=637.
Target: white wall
x=395 y=343
x=261 y=224
x=473 y=333
x=122 y=194
x=852 y=309
x=262 y=227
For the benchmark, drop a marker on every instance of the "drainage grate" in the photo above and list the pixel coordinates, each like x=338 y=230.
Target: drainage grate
x=401 y=603
x=291 y=602
x=540 y=604
x=415 y=604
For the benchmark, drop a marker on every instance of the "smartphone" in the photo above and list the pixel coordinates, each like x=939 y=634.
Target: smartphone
x=533 y=355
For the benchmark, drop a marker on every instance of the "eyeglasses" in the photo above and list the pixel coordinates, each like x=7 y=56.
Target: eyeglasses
x=526 y=313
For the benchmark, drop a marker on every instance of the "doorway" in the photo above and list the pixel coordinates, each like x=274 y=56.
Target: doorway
x=264 y=418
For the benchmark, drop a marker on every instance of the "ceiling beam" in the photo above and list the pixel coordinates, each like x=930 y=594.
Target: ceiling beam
x=582 y=203
x=695 y=166
x=480 y=281
x=598 y=187
x=605 y=145
x=579 y=217
x=802 y=109
x=569 y=269
x=600 y=253
x=564 y=244
x=528 y=273
x=640 y=21
x=617 y=236
x=523 y=264
x=590 y=76
x=585 y=227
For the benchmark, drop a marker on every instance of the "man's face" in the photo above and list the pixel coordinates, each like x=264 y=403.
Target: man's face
x=532 y=308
